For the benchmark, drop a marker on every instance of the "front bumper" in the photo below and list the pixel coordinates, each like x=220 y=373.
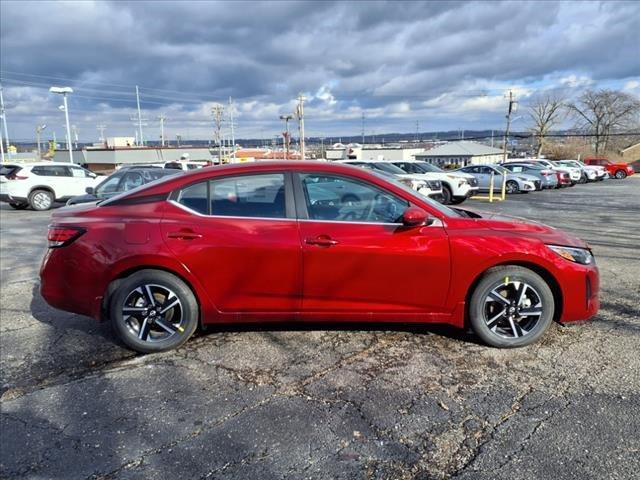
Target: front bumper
x=580 y=285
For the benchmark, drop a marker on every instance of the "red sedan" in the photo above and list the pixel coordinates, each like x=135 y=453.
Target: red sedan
x=308 y=241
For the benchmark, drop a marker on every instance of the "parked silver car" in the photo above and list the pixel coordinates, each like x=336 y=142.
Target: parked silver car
x=546 y=176
x=514 y=182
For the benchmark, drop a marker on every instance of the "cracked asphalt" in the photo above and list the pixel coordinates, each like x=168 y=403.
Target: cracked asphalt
x=339 y=402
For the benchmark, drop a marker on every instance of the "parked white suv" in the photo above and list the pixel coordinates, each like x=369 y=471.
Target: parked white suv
x=39 y=185
x=426 y=187
x=456 y=186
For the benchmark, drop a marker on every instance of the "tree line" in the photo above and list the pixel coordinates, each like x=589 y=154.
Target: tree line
x=596 y=113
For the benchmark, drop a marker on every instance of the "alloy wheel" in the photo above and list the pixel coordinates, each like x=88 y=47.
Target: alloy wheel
x=512 y=309
x=153 y=313
x=42 y=201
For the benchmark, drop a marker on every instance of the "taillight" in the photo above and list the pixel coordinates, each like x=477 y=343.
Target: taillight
x=63 y=236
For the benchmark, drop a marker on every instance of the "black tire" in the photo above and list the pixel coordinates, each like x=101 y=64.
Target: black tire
x=621 y=174
x=41 y=200
x=512 y=187
x=446 y=195
x=19 y=206
x=583 y=179
x=494 y=331
x=125 y=325
x=457 y=200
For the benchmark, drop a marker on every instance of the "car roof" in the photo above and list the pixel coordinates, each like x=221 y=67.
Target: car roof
x=47 y=164
x=171 y=182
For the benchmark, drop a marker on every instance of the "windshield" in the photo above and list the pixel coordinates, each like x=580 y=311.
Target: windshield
x=427 y=167
x=500 y=169
x=389 y=168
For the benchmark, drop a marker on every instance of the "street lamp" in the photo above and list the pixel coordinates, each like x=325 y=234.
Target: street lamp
x=63 y=91
x=39 y=130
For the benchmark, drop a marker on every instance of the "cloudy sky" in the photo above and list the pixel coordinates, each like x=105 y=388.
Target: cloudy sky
x=446 y=65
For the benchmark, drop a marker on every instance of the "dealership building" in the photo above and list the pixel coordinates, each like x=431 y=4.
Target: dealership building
x=461 y=154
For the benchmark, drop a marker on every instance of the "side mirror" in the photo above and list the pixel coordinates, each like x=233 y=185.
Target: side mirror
x=414 y=217
x=89 y=190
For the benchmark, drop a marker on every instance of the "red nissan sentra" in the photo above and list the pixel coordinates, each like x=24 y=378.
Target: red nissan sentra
x=308 y=241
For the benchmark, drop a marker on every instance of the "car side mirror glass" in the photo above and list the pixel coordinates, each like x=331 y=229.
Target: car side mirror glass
x=89 y=190
x=414 y=217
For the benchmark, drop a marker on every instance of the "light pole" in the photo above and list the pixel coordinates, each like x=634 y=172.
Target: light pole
x=63 y=91
x=39 y=130
x=286 y=119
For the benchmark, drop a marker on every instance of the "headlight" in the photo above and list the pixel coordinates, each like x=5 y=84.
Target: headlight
x=418 y=184
x=578 y=255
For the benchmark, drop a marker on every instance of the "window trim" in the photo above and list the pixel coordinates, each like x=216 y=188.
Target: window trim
x=289 y=205
x=301 y=199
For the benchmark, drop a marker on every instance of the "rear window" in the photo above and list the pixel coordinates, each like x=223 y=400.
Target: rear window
x=7 y=170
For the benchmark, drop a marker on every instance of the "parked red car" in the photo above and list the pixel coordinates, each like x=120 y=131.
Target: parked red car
x=617 y=170
x=308 y=241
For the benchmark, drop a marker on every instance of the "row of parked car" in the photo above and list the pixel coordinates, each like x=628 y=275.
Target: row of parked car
x=40 y=185
x=516 y=176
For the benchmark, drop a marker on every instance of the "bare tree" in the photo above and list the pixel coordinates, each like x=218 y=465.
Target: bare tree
x=603 y=112
x=546 y=111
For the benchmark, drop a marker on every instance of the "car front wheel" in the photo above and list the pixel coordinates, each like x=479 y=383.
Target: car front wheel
x=153 y=311
x=512 y=187
x=620 y=174
x=511 y=307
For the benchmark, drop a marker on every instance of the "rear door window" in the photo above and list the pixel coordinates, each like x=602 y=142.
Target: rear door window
x=251 y=196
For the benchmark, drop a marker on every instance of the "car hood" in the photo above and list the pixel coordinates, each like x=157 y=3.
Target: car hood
x=527 y=228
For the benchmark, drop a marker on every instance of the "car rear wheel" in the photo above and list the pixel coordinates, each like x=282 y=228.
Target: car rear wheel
x=511 y=307
x=620 y=174
x=19 y=206
x=41 y=200
x=512 y=187
x=583 y=179
x=153 y=311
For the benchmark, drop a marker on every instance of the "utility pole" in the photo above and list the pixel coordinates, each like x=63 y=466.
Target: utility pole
x=286 y=119
x=217 y=112
x=233 y=135
x=139 y=116
x=300 y=115
x=162 y=119
x=101 y=128
x=363 y=129
x=513 y=106
x=417 y=129
x=3 y=114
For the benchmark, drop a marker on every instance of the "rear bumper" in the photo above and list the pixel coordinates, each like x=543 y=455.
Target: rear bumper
x=66 y=283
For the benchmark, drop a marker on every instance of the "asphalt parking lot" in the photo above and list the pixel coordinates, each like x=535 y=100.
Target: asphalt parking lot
x=318 y=402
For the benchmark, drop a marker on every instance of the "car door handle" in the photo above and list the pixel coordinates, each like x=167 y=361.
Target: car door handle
x=321 y=241
x=184 y=235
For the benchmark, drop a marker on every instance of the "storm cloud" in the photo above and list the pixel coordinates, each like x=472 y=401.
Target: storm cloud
x=445 y=65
